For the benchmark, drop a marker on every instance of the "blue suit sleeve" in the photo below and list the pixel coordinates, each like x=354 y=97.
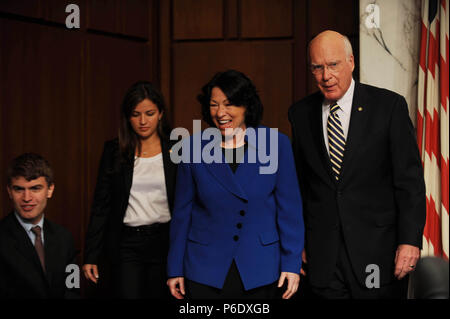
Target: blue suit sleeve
x=181 y=220
x=289 y=209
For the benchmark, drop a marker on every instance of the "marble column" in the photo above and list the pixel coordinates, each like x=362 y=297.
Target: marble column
x=390 y=46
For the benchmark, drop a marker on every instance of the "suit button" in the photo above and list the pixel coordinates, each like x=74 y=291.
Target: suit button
x=242 y=213
x=339 y=193
x=235 y=238
x=239 y=225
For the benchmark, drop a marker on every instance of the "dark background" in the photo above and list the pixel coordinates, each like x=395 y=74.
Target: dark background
x=60 y=89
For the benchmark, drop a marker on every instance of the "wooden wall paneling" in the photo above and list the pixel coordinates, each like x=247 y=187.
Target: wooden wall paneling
x=42 y=68
x=16 y=65
x=231 y=19
x=153 y=43
x=302 y=75
x=266 y=18
x=341 y=16
x=55 y=11
x=268 y=64
x=350 y=27
x=328 y=18
x=134 y=16
x=197 y=19
x=3 y=197
x=272 y=73
x=61 y=85
x=26 y=8
x=113 y=65
x=61 y=126
x=164 y=52
x=103 y=15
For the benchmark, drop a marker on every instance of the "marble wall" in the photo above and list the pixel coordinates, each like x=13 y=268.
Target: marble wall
x=390 y=46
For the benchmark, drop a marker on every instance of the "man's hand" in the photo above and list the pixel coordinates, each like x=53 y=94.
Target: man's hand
x=406 y=259
x=292 y=283
x=176 y=287
x=91 y=272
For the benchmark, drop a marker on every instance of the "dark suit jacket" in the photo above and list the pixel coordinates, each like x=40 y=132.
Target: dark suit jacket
x=21 y=273
x=111 y=200
x=379 y=201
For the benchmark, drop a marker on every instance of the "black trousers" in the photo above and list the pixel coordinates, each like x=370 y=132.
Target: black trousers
x=141 y=272
x=344 y=284
x=233 y=288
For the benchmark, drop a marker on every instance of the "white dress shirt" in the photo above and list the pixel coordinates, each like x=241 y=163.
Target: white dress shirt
x=344 y=113
x=147 y=203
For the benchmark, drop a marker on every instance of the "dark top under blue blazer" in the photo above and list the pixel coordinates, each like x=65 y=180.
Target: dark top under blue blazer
x=255 y=219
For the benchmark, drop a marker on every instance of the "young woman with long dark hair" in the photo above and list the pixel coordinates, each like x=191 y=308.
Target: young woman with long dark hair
x=133 y=200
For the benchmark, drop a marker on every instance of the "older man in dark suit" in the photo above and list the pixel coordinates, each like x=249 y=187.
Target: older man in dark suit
x=34 y=252
x=361 y=180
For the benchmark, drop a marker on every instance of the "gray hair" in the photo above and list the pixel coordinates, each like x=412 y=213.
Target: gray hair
x=347 y=46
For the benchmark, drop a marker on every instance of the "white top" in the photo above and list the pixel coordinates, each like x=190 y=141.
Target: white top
x=344 y=112
x=148 y=196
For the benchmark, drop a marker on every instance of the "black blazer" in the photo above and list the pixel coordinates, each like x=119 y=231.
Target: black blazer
x=111 y=200
x=379 y=200
x=21 y=273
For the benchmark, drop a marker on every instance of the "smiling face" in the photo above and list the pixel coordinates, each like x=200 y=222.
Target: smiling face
x=145 y=118
x=30 y=197
x=224 y=114
x=332 y=65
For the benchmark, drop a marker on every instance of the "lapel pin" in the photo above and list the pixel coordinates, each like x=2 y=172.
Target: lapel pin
x=360 y=108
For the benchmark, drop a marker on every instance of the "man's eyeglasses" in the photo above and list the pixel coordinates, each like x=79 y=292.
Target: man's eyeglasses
x=331 y=67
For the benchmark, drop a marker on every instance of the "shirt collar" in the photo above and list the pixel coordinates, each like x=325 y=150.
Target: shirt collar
x=27 y=225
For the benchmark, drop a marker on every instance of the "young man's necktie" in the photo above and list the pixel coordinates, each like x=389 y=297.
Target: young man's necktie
x=38 y=245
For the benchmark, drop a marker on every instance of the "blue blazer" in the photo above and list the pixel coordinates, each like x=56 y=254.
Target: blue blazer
x=252 y=218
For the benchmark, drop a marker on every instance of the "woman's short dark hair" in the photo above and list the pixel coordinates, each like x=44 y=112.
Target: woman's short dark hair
x=239 y=90
x=30 y=166
x=139 y=91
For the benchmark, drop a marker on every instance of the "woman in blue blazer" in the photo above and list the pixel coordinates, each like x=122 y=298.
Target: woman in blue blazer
x=237 y=226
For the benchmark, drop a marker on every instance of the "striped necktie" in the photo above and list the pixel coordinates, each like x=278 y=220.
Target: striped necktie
x=336 y=140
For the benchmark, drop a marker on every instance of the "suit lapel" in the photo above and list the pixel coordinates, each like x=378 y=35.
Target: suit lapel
x=222 y=172
x=316 y=122
x=169 y=172
x=247 y=172
x=355 y=136
x=127 y=175
x=50 y=246
x=24 y=245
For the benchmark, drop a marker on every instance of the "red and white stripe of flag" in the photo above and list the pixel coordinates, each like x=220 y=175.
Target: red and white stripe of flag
x=432 y=123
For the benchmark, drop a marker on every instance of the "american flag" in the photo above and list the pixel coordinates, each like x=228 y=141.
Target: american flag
x=432 y=123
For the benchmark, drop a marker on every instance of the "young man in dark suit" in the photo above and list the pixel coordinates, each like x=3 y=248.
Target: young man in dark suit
x=34 y=252
x=361 y=180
